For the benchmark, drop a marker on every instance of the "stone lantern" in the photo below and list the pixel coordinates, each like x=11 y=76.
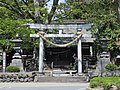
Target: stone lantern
x=104 y=42
x=103 y=57
x=17 y=59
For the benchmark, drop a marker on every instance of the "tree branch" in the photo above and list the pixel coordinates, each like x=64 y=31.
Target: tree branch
x=9 y=7
x=25 y=2
x=54 y=6
x=117 y=9
x=18 y=7
x=30 y=15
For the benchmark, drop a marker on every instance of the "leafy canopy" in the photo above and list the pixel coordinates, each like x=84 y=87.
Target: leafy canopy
x=103 y=13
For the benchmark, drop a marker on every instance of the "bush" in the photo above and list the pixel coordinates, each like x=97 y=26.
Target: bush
x=13 y=69
x=105 y=82
x=110 y=67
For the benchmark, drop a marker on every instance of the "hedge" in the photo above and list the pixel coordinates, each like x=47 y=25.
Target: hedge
x=13 y=69
x=111 y=67
x=105 y=82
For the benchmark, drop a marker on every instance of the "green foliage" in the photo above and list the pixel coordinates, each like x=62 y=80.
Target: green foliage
x=13 y=69
x=105 y=82
x=100 y=12
x=5 y=13
x=8 y=30
x=26 y=9
x=110 y=67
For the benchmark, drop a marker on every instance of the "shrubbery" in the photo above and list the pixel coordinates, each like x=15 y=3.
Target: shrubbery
x=110 y=67
x=13 y=69
x=105 y=82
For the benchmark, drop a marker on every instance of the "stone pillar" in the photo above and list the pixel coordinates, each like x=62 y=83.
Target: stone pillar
x=41 y=48
x=79 y=57
x=103 y=60
x=4 y=61
x=60 y=31
x=91 y=51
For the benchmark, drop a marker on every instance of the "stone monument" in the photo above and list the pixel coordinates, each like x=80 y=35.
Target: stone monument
x=17 y=59
x=103 y=60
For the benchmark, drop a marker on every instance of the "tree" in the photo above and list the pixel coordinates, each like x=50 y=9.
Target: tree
x=26 y=9
x=14 y=13
x=105 y=15
x=117 y=9
x=8 y=30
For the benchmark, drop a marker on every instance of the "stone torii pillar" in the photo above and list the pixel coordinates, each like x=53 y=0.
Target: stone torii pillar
x=79 y=52
x=41 y=53
x=41 y=48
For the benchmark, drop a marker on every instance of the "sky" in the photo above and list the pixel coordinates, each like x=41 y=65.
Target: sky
x=51 y=1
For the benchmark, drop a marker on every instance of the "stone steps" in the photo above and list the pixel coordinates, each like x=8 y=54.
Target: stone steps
x=62 y=79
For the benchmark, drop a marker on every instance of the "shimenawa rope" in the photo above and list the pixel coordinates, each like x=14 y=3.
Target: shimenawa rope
x=61 y=45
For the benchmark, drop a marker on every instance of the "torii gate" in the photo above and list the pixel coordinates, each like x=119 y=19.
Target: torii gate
x=41 y=27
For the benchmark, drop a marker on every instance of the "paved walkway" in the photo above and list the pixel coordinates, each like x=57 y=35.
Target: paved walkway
x=45 y=84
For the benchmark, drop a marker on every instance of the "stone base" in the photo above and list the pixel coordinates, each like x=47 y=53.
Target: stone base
x=18 y=63
x=62 y=79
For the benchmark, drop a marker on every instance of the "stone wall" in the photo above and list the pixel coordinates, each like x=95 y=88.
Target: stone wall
x=17 y=77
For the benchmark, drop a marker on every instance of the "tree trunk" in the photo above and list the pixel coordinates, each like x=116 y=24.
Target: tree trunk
x=52 y=11
x=117 y=9
x=118 y=16
x=37 y=11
